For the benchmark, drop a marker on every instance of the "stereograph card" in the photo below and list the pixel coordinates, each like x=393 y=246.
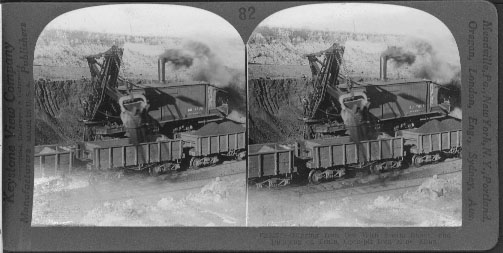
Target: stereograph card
x=261 y=126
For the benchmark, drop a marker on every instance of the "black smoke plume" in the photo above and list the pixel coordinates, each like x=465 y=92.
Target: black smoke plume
x=209 y=67
x=399 y=56
x=438 y=60
x=437 y=63
x=205 y=65
x=178 y=58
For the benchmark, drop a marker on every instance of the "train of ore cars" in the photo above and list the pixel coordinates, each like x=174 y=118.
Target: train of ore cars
x=158 y=126
x=186 y=125
x=371 y=128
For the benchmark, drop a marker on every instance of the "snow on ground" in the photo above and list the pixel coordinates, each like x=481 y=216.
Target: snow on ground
x=58 y=183
x=139 y=200
x=215 y=204
x=435 y=203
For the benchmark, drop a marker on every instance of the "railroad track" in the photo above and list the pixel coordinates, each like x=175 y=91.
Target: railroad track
x=373 y=188
x=180 y=175
x=226 y=169
x=399 y=179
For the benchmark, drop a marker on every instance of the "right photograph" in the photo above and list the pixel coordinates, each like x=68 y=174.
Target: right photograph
x=354 y=118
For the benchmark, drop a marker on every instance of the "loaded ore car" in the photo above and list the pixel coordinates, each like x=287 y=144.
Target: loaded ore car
x=160 y=156
x=53 y=159
x=271 y=164
x=433 y=141
x=332 y=158
x=213 y=140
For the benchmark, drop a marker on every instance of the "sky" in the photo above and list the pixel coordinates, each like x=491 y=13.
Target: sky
x=146 y=20
x=361 y=18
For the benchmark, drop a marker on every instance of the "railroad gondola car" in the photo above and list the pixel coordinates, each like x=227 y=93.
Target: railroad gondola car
x=339 y=157
x=271 y=164
x=159 y=156
x=212 y=141
x=433 y=141
x=333 y=158
x=51 y=159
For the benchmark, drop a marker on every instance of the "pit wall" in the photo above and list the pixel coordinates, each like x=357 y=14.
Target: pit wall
x=275 y=109
x=58 y=110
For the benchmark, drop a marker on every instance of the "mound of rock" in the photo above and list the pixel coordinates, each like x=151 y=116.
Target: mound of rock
x=218 y=190
x=433 y=188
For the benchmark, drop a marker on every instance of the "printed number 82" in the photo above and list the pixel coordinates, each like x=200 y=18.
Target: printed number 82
x=246 y=13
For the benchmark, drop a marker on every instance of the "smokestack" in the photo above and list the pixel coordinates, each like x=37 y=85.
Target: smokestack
x=161 y=68
x=384 y=62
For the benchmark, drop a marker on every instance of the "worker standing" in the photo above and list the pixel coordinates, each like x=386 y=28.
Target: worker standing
x=305 y=104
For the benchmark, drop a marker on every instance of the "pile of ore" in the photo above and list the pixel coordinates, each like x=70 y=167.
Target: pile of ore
x=439 y=126
x=213 y=128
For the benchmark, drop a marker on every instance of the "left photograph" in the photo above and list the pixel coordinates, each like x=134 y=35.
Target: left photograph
x=139 y=119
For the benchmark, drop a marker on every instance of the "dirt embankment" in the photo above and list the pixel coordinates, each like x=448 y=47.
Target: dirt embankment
x=287 y=46
x=140 y=200
x=275 y=109
x=58 y=110
x=60 y=54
